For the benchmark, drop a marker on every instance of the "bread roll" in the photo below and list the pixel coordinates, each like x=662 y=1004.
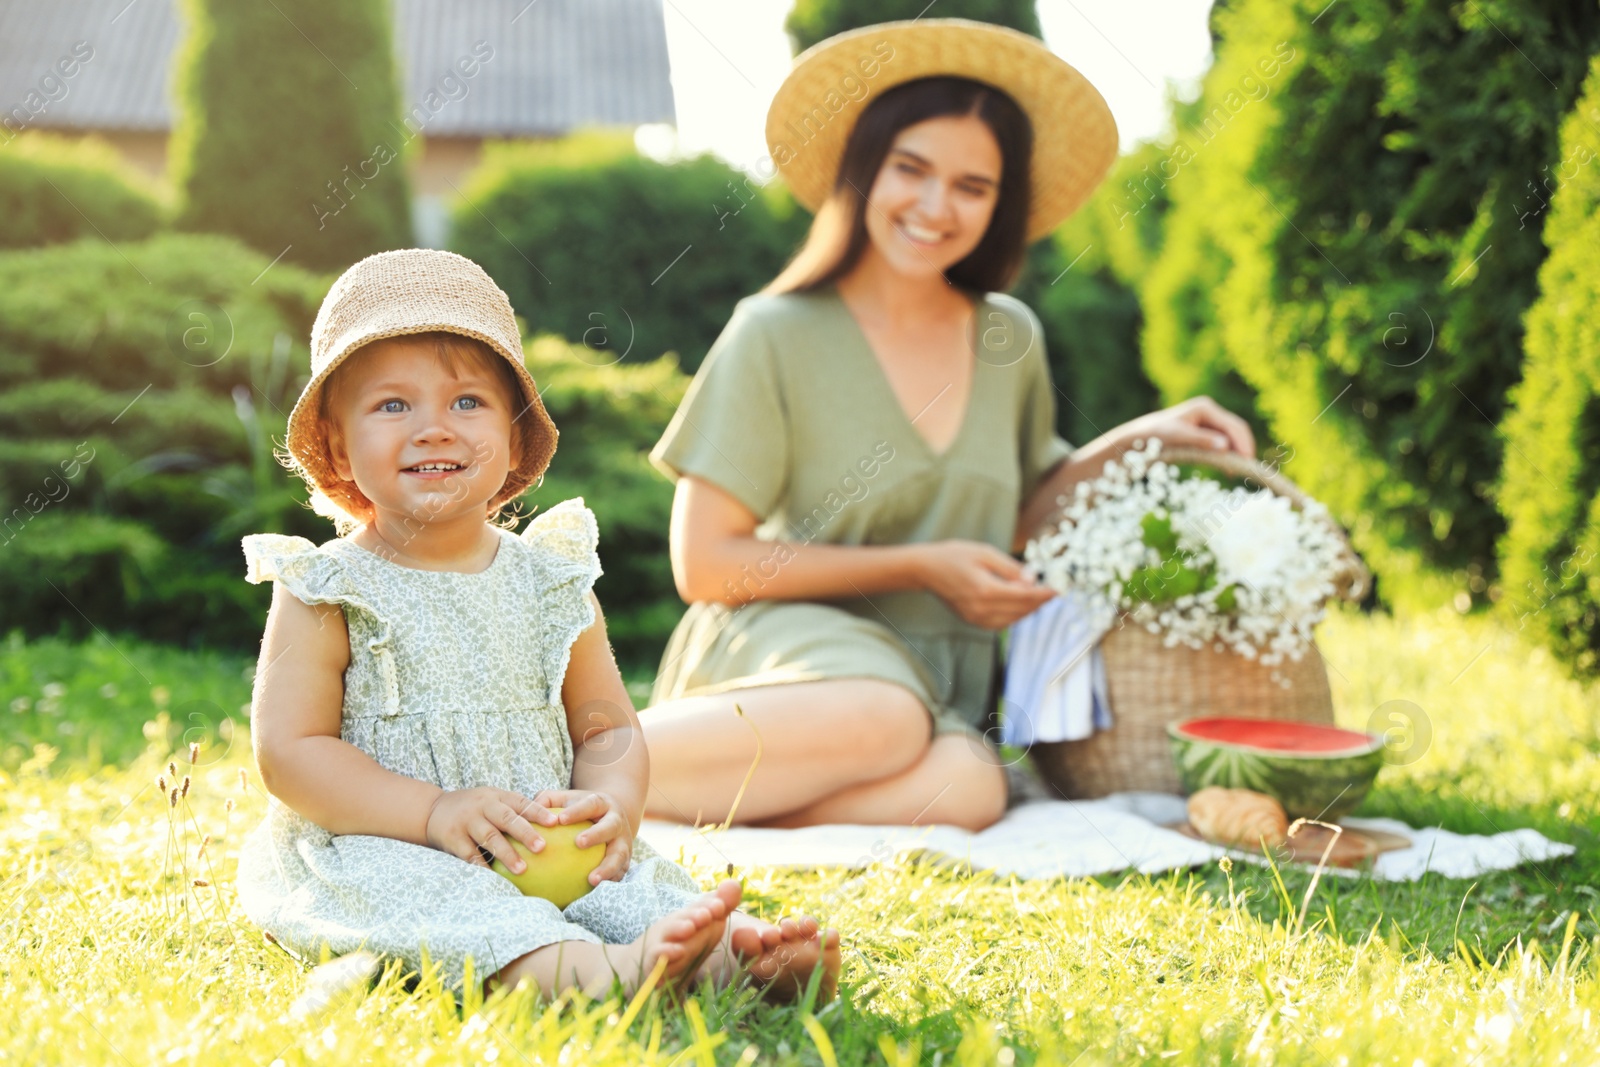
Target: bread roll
x=1239 y=818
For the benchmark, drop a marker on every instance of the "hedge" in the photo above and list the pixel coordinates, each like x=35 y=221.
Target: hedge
x=630 y=257
x=288 y=132
x=126 y=464
x=1550 y=554
x=810 y=21
x=609 y=418
x=55 y=189
x=1083 y=281
x=1346 y=199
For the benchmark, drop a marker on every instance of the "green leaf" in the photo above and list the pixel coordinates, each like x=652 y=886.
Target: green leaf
x=1226 y=601
x=1158 y=534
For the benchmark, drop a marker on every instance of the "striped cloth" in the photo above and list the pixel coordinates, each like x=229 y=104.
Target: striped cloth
x=1055 y=676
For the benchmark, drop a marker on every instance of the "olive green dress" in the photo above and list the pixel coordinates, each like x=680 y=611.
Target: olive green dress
x=792 y=414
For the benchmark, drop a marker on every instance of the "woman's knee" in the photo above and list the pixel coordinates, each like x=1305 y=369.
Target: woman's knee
x=892 y=724
x=976 y=798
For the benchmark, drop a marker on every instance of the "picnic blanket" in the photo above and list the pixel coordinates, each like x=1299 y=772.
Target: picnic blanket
x=1055 y=838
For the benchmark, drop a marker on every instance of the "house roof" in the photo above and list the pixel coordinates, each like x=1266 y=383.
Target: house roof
x=556 y=64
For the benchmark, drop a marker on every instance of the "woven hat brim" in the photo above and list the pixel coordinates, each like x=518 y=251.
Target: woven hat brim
x=1074 y=133
x=310 y=450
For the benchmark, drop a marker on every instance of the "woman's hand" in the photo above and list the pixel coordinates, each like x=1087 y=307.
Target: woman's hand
x=462 y=820
x=1198 y=422
x=610 y=826
x=985 y=586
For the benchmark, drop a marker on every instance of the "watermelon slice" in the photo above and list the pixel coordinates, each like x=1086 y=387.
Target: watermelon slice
x=1316 y=772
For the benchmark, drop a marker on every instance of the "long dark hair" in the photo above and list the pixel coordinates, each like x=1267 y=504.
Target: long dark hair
x=838 y=234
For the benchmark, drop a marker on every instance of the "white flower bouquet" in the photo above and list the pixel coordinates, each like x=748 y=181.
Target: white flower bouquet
x=1195 y=560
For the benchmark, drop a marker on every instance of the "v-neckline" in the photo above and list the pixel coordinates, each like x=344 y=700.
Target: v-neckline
x=907 y=420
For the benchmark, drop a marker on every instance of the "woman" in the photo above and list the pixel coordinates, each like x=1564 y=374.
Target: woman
x=871 y=438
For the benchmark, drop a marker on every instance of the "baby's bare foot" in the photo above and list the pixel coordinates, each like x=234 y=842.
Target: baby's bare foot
x=687 y=936
x=749 y=936
x=781 y=958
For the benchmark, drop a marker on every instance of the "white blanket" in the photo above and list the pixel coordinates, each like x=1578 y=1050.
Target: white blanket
x=1046 y=839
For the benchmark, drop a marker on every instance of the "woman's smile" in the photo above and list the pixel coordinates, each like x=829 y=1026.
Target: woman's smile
x=922 y=236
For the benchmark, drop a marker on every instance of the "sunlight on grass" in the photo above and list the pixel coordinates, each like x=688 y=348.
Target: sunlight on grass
x=1509 y=729
x=121 y=940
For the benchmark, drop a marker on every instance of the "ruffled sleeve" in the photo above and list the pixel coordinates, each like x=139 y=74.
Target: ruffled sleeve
x=566 y=541
x=311 y=575
x=315 y=576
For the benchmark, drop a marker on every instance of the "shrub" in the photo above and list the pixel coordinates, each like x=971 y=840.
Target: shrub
x=1348 y=197
x=810 y=21
x=1091 y=326
x=274 y=143
x=53 y=189
x=630 y=257
x=137 y=388
x=1083 y=282
x=609 y=418
x=1548 y=486
x=1180 y=345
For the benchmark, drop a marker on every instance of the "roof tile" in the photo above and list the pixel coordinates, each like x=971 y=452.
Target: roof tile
x=556 y=64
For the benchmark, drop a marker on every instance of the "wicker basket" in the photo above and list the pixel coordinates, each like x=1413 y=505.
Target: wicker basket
x=1151 y=686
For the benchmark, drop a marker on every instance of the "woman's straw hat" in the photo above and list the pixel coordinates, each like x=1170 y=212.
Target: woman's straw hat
x=816 y=107
x=407 y=291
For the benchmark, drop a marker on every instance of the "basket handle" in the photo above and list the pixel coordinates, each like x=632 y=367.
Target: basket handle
x=1352 y=579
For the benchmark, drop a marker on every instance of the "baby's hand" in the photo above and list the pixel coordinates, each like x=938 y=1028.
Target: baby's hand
x=610 y=826
x=462 y=820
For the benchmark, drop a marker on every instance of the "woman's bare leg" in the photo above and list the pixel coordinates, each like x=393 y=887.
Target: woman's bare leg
x=816 y=739
x=960 y=781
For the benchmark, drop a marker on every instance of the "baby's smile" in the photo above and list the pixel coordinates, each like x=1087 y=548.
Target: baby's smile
x=434 y=469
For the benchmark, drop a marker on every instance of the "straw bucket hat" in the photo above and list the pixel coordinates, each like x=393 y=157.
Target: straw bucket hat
x=408 y=291
x=1074 y=135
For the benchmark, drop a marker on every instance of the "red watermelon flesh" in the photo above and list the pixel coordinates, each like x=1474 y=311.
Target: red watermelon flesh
x=1277 y=735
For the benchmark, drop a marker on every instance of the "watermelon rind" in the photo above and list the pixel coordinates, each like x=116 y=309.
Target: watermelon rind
x=1311 y=785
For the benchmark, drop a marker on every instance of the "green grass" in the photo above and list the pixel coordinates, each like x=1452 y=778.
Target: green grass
x=111 y=953
x=104 y=701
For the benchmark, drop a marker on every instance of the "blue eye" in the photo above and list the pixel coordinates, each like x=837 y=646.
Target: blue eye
x=384 y=405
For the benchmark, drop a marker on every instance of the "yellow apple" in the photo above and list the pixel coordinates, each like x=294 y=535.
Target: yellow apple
x=560 y=871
